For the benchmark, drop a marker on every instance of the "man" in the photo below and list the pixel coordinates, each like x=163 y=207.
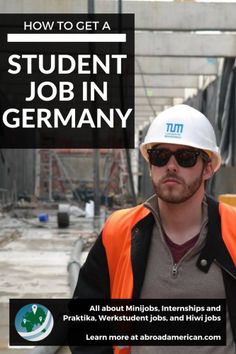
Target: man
x=179 y=243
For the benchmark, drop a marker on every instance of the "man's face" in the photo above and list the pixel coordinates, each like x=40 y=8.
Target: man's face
x=176 y=184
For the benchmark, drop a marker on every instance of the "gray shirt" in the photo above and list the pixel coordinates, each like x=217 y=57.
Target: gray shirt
x=186 y=281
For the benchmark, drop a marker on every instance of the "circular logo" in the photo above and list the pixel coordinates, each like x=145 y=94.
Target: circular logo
x=34 y=322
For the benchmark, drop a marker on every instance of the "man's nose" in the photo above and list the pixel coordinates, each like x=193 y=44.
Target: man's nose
x=172 y=164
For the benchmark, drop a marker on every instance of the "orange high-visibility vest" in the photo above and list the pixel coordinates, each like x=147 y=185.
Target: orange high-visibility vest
x=116 y=238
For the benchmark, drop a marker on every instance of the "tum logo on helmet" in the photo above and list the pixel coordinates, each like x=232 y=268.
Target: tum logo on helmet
x=174 y=130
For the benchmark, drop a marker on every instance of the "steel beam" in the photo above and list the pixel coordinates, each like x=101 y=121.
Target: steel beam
x=159 y=92
x=155 y=101
x=149 y=15
x=151 y=80
x=143 y=111
x=147 y=112
x=179 y=66
x=185 y=44
x=155 y=15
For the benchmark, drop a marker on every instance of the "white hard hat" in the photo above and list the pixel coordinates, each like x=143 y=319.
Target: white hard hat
x=183 y=125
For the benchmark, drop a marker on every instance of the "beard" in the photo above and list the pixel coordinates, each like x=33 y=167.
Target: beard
x=178 y=193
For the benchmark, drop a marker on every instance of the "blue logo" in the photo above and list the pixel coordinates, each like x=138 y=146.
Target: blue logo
x=174 y=130
x=34 y=322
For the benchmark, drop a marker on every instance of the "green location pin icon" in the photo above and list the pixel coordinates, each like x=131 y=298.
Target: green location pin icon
x=40 y=318
x=34 y=309
x=24 y=320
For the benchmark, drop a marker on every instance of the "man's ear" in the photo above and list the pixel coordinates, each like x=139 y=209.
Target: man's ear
x=208 y=171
